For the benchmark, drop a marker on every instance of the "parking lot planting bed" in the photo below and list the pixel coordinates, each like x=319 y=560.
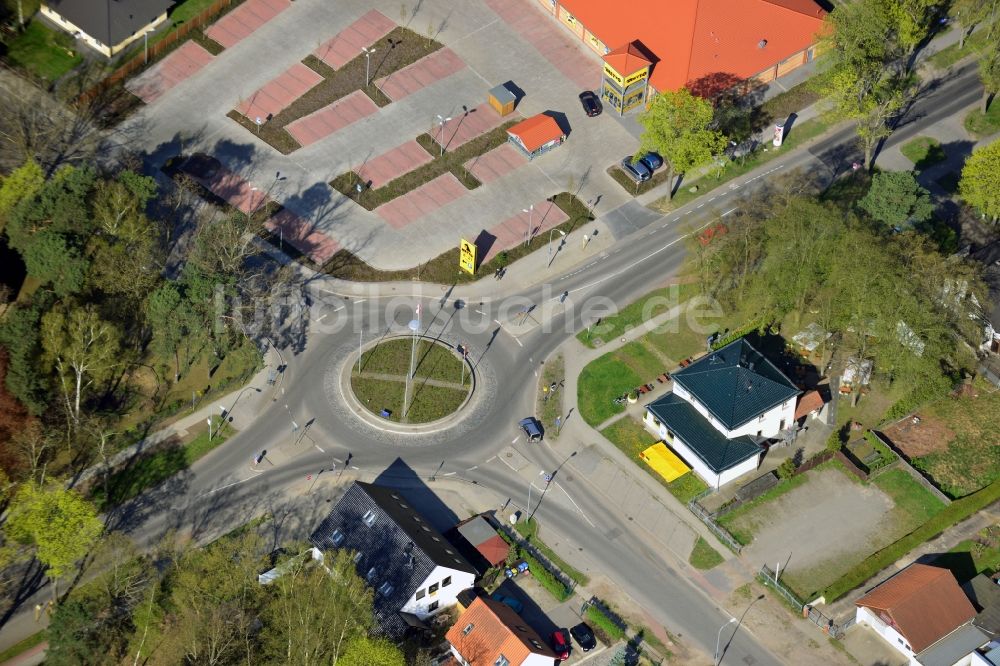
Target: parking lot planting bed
x=443 y=269
x=437 y=388
x=451 y=162
x=406 y=48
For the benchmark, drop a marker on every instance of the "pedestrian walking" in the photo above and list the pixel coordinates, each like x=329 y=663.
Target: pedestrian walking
x=38 y=612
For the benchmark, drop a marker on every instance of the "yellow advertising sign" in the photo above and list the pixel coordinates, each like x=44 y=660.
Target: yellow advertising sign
x=610 y=72
x=638 y=76
x=467 y=257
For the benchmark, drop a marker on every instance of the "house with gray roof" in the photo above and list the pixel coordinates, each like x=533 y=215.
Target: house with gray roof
x=107 y=26
x=721 y=410
x=414 y=571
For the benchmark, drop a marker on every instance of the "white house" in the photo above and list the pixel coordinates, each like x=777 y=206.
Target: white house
x=414 y=571
x=925 y=616
x=722 y=407
x=490 y=633
x=107 y=26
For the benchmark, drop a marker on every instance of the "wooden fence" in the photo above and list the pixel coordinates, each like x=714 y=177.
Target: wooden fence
x=156 y=50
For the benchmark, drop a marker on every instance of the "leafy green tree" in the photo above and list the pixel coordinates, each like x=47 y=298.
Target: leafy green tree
x=914 y=20
x=59 y=523
x=678 y=126
x=365 y=651
x=895 y=198
x=20 y=336
x=989 y=72
x=313 y=614
x=970 y=13
x=174 y=323
x=22 y=183
x=53 y=261
x=980 y=182
x=82 y=348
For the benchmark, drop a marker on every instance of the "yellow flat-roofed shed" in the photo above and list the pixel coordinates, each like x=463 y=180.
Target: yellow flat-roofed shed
x=664 y=462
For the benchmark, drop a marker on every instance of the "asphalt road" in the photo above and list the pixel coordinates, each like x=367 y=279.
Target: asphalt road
x=221 y=489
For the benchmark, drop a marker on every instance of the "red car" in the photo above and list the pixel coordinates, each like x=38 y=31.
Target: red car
x=560 y=643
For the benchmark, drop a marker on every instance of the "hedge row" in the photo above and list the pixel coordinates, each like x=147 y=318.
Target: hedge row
x=604 y=624
x=955 y=512
x=544 y=577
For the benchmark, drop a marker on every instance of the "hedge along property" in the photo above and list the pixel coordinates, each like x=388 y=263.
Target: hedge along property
x=707 y=46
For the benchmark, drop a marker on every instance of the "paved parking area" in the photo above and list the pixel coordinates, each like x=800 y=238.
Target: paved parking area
x=240 y=23
x=332 y=118
x=181 y=63
x=346 y=44
x=439 y=65
x=515 y=230
x=279 y=93
x=496 y=163
x=233 y=189
x=410 y=207
x=550 y=40
x=391 y=165
x=303 y=236
x=467 y=126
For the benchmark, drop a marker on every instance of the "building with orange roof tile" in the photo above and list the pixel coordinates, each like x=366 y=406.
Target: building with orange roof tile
x=536 y=135
x=706 y=46
x=489 y=633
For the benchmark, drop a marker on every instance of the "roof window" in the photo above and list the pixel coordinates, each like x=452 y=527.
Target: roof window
x=468 y=628
x=501 y=661
x=385 y=589
x=369 y=518
x=337 y=538
x=370 y=576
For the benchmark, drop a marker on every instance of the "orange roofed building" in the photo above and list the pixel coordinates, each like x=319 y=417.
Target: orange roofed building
x=536 y=135
x=490 y=633
x=706 y=46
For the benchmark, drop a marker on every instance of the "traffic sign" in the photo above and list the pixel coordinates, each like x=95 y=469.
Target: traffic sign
x=467 y=257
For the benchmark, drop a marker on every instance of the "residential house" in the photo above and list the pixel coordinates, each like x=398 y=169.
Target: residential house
x=722 y=409
x=924 y=614
x=490 y=633
x=107 y=26
x=414 y=571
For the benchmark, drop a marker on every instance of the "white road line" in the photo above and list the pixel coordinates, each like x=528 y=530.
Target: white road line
x=319 y=319
x=514 y=441
x=320 y=450
x=480 y=313
x=476 y=466
x=701 y=205
x=338 y=308
x=576 y=505
x=450 y=474
x=360 y=300
x=230 y=485
x=518 y=342
x=728 y=212
x=355 y=467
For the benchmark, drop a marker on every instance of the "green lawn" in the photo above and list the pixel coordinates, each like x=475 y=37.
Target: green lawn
x=433 y=361
x=46 y=53
x=603 y=380
x=529 y=530
x=980 y=125
x=23 y=646
x=982 y=553
x=549 y=406
x=703 y=556
x=632 y=438
x=637 y=313
x=923 y=151
x=188 y=9
x=914 y=504
x=430 y=403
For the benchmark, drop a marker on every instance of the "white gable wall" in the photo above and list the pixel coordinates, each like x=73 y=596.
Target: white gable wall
x=869 y=618
x=445 y=595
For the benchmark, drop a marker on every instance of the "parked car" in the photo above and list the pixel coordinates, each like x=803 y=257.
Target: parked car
x=515 y=605
x=591 y=103
x=532 y=428
x=560 y=643
x=584 y=636
x=652 y=161
x=637 y=171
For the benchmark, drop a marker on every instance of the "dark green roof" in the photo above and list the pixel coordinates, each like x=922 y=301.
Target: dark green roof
x=736 y=383
x=717 y=452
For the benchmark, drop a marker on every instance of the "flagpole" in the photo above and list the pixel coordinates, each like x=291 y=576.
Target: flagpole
x=407 y=394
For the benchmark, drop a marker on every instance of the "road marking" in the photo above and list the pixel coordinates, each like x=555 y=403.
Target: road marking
x=480 y=313
x=450 y=474
x=701 y=205
x=728 y=212
x=337 y=309
x=518 y=343
x=477 y=466
x=320 y=450
x=577 y=506
x=514 y=441
x=360 y=301
x=355 y=467
x=230 y=485
x=319 y=319
x=490 y=460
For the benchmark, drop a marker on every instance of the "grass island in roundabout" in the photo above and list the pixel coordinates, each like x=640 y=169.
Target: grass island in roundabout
x=440 y=385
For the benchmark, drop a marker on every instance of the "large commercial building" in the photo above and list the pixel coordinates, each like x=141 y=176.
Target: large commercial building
x=707 y=46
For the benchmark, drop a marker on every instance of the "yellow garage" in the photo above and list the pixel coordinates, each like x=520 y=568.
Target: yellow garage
x=664 y=461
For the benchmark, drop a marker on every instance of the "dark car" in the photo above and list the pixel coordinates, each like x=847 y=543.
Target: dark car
x=584 y=636
x=514 y=604
x=532 y=428
x=591 y=103
x=560 y=643
x=652 y=161
x=637 y=171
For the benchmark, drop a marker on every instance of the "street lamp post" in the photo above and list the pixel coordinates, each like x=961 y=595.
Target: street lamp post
x=718 y=640
x=563 y=235
x=368 y=61
x=441 y=123
x=530 y=210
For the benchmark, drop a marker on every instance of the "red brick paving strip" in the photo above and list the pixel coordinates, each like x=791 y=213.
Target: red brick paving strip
x=301 y=235
x=393 y=164
x=164 y=75
x=551 y=40
x=331 y=118
x=511 y=233
x=346 y=44
x=427 y=198
x=466 y=127
x=496 y=163
x=434 y=67
x=279 y=92
x=238 y=24
x=234 y=190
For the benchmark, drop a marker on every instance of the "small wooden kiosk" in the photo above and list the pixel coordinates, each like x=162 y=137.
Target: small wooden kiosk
x=502 y=100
